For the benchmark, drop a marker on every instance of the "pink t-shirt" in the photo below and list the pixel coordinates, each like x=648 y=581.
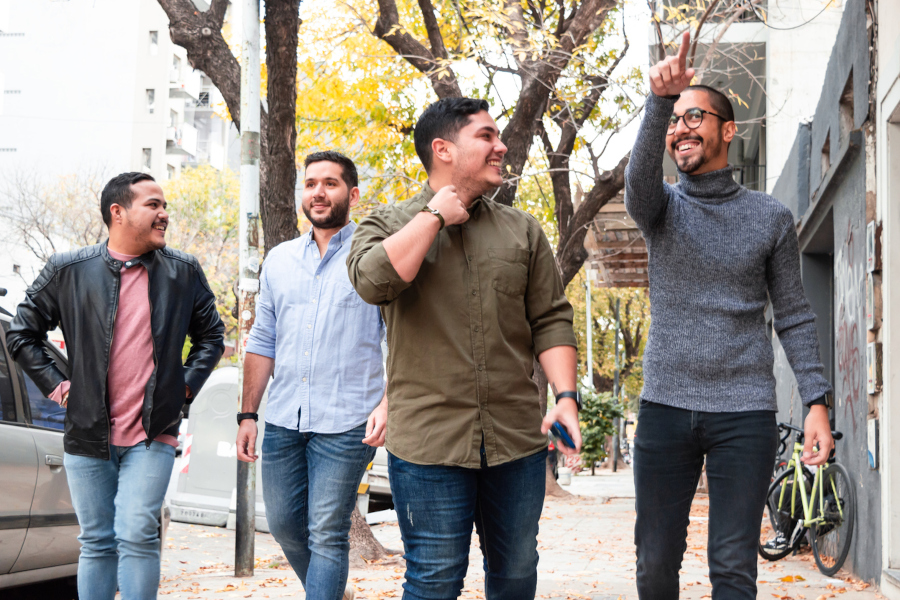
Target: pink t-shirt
x=130 y=359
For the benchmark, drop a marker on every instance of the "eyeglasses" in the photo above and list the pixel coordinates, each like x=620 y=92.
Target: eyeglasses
x=693 y=117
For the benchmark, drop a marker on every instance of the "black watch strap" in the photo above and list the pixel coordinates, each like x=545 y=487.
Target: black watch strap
x=576 y=396
x=242 y=416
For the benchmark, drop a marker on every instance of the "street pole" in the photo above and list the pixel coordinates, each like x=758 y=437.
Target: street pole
x=615 y=443
x=590 y=330
x=248 y=283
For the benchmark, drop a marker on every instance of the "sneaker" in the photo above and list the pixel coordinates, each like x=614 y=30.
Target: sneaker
x=349 y=592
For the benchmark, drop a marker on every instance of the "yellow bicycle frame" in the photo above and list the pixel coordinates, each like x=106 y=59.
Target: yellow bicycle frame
x=818 y=486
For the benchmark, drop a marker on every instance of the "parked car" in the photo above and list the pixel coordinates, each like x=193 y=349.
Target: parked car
x=38 y=526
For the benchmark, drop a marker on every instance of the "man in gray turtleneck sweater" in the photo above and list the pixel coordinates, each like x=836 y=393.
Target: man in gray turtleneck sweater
x=718 y=254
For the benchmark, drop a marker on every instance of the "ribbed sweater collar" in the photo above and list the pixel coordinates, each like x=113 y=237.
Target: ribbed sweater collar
x=712 y=187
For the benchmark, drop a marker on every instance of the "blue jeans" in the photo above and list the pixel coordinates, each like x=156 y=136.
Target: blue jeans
x=669 y=447
x=118 y=502
x=310 y=482
x=436 y=507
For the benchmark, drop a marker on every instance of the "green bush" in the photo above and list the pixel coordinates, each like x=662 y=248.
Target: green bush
x=596 y=416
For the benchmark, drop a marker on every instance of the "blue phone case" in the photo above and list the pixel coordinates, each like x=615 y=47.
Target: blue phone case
x=559 y=431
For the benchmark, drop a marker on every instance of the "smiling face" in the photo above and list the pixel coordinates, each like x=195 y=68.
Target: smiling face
x=326 y=198
x=142 y=226
x=704 y=149
x=476 y=155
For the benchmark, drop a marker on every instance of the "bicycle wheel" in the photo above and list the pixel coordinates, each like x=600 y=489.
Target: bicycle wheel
x=831 y=538
x=778 y=522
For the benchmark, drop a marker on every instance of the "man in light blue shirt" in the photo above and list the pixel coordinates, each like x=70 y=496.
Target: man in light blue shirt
x=327 y=409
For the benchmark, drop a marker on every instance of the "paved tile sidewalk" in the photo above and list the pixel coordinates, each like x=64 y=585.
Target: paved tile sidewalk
x=585 y=545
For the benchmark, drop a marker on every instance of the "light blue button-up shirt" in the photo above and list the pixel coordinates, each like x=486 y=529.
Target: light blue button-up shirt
x=325 y=340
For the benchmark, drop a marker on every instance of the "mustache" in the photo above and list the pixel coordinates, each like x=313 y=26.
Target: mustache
x=693 y=137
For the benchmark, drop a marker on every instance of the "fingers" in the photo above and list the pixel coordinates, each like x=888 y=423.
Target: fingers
x=246 y=443
x=683 y=50
x=376 y=434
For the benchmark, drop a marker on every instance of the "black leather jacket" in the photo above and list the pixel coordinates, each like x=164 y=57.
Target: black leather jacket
x=79 y=291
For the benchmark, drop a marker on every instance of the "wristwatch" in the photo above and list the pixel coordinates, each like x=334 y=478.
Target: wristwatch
x=242 y=416
x=576 y=396
x=435 y=212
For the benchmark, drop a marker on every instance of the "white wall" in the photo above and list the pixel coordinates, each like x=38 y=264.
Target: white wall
x=796 y=61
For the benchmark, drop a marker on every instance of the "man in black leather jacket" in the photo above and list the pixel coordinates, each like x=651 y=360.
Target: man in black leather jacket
x=125 y=308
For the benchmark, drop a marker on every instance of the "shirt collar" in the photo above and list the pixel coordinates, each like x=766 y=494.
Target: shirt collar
x=339 y=238
x=428 y=193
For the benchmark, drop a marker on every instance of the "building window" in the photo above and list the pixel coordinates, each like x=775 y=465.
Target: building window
x=173 y=118
x=17 y=269
x=176 y=68
x=170 y=172
x=151 y=100
x=146 y=158
x=154 y=43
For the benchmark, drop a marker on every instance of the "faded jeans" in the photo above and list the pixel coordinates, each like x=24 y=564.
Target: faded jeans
x=118 y=503
x=436 y=507
x=310 y=482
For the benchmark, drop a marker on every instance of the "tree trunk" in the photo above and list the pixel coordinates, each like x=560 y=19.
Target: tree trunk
x=553 y=489
x=363 y=545
x=278 y=207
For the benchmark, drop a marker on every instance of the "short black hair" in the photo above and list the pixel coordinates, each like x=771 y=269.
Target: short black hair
x=719 y=101
x=443 y=119
x=348 y=169
x=118 y=191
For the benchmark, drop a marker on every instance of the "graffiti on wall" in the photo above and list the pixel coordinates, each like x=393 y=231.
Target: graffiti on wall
x=849 y=278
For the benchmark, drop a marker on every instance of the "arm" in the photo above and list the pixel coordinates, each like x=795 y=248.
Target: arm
x=646 y=195
x=550 y=316
x=35 y=316
x=259 y=365
x=257 y=372
x=207 y=333
x=559 y=365
x=795 y=324
x=407 y=248
x=382 y=263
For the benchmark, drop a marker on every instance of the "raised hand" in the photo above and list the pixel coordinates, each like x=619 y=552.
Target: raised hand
x=450 y=206
x=670 y=76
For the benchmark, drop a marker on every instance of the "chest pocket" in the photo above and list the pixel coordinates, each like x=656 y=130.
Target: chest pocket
x=509 y=269
x=341 y=293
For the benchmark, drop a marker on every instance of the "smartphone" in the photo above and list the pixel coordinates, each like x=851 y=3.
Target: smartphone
x=560 y=432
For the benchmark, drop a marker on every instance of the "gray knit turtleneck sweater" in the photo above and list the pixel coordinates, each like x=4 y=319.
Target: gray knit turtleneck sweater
x=718 y=252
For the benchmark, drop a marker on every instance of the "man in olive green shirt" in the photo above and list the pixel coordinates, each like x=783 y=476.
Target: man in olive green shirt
x=470 y=293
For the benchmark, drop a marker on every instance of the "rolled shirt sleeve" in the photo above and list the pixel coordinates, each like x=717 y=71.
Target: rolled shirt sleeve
x=263 y=333
x=549 y=312
x=371 y=272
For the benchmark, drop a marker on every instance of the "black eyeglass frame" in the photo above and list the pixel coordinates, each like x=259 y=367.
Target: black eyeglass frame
x=673 y=125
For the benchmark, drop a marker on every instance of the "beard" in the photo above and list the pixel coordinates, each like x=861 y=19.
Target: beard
x=335 y=219
x=690 y=164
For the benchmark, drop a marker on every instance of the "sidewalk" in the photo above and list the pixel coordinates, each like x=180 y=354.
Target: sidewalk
x=585 y=546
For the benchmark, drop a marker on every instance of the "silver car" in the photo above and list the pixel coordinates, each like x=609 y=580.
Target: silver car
x=38 y=526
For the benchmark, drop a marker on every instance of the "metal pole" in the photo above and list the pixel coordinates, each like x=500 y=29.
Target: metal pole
x=589 y=321
x=248 y=284
x=615 y=443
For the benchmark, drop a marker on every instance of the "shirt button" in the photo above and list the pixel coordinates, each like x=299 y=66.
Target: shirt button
x=306 y=353
x=309 y=326
x=314 y=301
x=304 y=379
x=474 y=293
x=469 y=258
x=481 y=367
x=318 y=276
x=476 y=329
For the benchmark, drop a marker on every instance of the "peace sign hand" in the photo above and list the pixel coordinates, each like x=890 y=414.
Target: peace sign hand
x=669 y=76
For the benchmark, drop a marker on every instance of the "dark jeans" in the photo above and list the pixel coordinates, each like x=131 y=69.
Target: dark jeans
x=310 y=481
x=669 y=447
x=436 y=507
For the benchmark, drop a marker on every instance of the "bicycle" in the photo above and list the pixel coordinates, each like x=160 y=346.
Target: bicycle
x=827 y=510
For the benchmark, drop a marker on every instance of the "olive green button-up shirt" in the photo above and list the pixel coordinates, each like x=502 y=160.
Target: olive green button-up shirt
x=462 y=335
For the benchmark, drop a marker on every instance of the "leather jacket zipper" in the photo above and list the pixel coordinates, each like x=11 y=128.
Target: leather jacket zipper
x=148 y=441
x=108 y=357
